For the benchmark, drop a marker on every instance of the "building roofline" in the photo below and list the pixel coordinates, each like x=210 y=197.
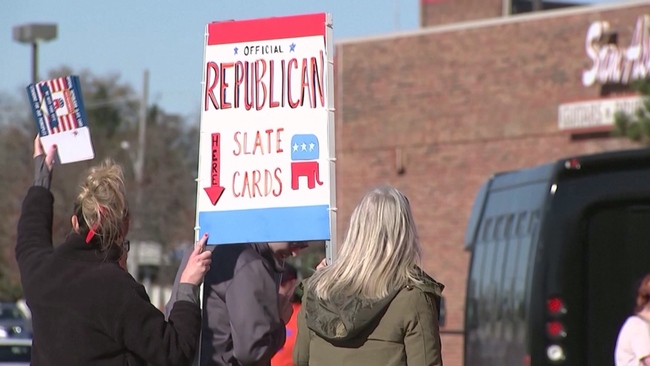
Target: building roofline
x=518 y=18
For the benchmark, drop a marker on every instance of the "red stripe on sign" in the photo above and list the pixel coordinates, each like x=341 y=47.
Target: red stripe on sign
x=75 y=123
x=266 y=29
x=68 y=122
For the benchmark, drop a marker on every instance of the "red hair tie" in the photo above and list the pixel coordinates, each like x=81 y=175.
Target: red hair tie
x=93 y=229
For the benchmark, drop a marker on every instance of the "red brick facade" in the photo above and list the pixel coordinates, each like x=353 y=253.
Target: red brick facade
x=439 y=12
x=455 y=104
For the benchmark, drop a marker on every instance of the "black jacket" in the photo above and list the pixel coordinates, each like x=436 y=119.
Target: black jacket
x=86 y=310
x=242 y=324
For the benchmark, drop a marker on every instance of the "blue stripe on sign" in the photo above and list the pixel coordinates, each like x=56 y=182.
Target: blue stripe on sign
x=82 y=119
x=266 y=224
x=36 y=110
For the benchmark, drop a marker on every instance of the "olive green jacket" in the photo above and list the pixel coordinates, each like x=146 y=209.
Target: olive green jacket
x=399 y=330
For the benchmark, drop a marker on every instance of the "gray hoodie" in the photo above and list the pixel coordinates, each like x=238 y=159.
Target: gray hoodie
x=241 y=319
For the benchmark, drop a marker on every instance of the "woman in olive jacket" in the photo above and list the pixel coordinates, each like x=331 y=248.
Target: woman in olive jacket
x=373 y=305
x=86 y=308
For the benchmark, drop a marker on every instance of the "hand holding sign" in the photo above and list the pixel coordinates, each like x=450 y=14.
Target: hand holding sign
x=49 y=157
x=198 y=263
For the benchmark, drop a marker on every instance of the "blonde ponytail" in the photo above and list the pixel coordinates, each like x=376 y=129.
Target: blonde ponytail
x=101 y=206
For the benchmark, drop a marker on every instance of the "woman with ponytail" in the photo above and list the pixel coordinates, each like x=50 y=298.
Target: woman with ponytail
x=633 y=343
x=86 y=308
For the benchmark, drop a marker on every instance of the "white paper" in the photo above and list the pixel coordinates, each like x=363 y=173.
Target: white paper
x=72 y=146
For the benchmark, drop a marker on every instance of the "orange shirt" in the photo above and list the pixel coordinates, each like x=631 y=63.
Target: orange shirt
x=284 y=357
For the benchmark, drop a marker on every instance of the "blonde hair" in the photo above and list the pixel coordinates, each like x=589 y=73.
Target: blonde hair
x=380 y=253
x=101 y=205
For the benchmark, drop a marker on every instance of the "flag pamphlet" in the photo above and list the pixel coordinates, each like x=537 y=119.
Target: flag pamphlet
x=60 y=117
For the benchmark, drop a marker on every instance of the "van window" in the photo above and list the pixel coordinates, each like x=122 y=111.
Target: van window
x=485 y=306
x=500 y=246
x=510 y=263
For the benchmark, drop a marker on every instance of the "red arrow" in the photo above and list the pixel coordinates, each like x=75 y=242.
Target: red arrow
x=215 y=190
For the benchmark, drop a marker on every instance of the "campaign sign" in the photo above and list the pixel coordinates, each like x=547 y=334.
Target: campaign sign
x=60 y=116
x=266 y=164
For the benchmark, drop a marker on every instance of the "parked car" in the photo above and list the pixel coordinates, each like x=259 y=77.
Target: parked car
x=13 y=322
x=15 y=352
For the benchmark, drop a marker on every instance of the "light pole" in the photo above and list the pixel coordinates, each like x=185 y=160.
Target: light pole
x=137 y=160
x=34 y=33
x=137 y=156
x=142 y=127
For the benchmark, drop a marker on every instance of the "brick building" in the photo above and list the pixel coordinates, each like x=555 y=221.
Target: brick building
x=436 y=111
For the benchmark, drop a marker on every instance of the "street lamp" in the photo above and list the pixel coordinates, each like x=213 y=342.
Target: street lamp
x=137 y=160
x=33 y=34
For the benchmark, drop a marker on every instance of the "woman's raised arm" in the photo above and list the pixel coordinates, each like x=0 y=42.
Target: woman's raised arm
x=34 y=237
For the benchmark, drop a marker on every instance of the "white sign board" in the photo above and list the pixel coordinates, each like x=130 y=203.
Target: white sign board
x=266 y=164
x=595 y=113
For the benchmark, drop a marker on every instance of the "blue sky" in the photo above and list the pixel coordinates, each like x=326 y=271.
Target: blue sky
x=165 y=36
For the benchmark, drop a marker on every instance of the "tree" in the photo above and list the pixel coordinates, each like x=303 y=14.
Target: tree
x=11 y=110
x=308 y=258
x=635 y=126
x=16 y=172
x=169 y=187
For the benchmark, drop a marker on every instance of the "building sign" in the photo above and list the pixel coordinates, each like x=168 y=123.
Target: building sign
x=266 y=162
x=612 y=63
x=595 y=113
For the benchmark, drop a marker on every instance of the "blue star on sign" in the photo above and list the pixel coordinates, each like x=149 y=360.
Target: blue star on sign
x=292 y=47
x=236 y=49
x=304 y=147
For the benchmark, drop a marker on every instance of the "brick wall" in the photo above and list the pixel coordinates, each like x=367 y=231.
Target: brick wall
x=459 y=106
x=440 y=12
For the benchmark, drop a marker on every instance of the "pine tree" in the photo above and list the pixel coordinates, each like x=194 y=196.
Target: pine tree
x=635 y=126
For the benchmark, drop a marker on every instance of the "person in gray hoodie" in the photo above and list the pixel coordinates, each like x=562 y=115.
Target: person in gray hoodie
x=244 y=317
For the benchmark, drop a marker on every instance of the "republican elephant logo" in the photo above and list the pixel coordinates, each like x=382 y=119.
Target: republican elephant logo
x=304 y=160
x=58 y=103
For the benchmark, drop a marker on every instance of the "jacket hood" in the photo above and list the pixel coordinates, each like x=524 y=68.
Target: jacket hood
x=265 y=251
x=341 y=319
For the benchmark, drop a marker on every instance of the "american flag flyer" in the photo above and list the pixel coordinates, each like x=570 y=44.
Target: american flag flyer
x=60 y=117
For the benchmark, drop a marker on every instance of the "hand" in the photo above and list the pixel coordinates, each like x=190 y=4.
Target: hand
x=287 y=289
x=43 y=164
x=286 y=310
x=198 y=263
x=323 y=263
x=49 y=157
